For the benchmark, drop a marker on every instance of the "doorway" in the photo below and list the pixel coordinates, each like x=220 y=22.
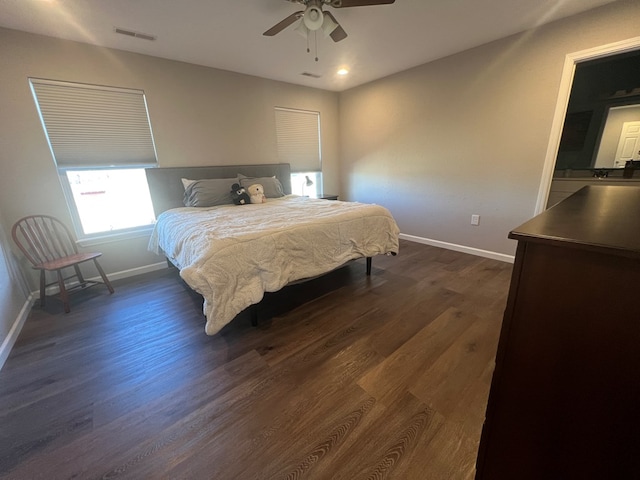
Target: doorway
x=566 y=83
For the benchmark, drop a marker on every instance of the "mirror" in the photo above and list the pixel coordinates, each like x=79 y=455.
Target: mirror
x=602 y=124
x=620 y=139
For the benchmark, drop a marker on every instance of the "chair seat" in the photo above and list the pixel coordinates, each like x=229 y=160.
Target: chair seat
x=69 y=261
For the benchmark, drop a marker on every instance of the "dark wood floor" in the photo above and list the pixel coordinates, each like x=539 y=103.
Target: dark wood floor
x=352 y=378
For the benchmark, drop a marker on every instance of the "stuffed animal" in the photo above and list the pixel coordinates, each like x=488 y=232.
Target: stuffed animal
x=256 y=193
x=239 y=195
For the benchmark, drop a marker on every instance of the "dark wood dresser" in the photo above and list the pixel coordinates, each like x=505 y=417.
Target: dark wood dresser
x=565 y=395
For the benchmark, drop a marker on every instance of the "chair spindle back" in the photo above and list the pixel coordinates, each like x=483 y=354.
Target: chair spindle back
x=43 y=238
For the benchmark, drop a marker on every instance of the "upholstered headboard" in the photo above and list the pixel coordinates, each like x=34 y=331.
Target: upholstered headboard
x=167 y=191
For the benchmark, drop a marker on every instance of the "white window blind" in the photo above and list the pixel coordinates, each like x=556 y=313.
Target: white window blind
x=92 y=126
x=298 y=136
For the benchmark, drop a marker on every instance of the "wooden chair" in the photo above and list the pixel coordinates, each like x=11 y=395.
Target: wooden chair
x=49 y=246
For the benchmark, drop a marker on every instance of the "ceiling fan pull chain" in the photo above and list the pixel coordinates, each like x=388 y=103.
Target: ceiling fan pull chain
x=315 y=40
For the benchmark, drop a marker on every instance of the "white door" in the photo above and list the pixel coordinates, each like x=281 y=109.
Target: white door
x=629 y=144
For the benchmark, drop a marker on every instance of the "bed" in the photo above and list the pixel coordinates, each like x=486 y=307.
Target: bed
x=232 y=254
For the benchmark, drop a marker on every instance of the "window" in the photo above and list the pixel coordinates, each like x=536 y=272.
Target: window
x=104 y=199
x=300 y=183
x=298 y=138
x=101 y=140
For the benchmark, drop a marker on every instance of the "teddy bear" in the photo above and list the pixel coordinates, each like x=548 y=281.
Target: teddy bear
x=256 y=193
x=239 y=195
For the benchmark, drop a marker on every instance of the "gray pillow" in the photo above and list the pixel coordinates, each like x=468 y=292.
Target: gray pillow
x=210 y=192
x=272 y=186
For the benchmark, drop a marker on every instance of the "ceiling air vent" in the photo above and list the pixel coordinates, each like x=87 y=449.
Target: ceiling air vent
x=144 y=36
x=312 y=75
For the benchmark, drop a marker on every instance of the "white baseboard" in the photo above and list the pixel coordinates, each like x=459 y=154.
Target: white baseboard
x=12 y=336
x=132 y=272
x=460 y=248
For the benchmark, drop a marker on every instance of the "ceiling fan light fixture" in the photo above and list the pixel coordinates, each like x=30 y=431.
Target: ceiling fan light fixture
x=313 y=17
x=328 y=25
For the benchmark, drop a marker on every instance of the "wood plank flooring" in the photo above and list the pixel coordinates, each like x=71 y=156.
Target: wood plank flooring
x=345 y=377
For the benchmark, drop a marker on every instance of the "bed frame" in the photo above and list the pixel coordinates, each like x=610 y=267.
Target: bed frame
x=167 y=191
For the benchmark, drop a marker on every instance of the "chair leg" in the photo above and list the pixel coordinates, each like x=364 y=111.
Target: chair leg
x=103 y=275
x=64 y=296
x=43 y=286
x=79 y=275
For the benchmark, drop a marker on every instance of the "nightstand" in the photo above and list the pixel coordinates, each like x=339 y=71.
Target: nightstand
x=328 y=196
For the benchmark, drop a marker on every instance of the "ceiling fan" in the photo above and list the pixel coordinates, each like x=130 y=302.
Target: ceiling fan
x=314 y=18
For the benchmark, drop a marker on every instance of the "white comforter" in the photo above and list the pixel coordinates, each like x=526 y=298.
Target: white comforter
x=232 y=254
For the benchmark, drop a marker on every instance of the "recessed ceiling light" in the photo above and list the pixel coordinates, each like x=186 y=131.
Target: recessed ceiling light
x=343 y=71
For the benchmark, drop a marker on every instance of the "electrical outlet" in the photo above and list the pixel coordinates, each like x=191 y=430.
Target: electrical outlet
x=475 y=219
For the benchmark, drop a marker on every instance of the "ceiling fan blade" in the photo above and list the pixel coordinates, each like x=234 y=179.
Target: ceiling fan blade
x=338 y=33
x=278 y=27
x=359 y=3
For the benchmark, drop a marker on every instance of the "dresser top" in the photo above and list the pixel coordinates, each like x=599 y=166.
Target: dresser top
x=596 y=217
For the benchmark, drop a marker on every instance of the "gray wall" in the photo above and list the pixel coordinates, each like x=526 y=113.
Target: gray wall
x=467 y=134
x=199 y=116
x=13 y=288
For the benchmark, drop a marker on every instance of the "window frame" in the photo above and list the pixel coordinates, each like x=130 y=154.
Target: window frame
x=63 y=103
x=87 y=239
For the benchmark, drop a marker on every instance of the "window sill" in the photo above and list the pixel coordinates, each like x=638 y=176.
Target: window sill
x=115 y=237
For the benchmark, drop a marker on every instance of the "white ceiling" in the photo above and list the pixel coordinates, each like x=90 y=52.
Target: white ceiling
x=227 y=34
